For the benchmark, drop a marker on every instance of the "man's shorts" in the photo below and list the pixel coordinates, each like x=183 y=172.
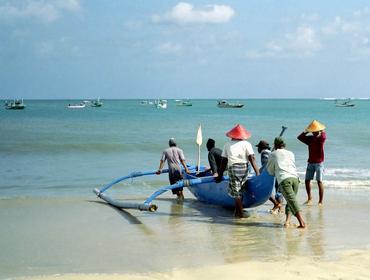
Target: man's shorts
x=313 y=168
x=174 y=176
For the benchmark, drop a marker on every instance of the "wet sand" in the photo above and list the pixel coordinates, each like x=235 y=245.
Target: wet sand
x=75 y=238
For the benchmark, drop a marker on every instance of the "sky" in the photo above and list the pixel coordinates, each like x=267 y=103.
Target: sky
x=122 y=49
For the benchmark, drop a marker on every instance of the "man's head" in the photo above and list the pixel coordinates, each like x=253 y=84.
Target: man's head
x=172 y=142
x=263 y=145
x=279 y=143
x=210 y=144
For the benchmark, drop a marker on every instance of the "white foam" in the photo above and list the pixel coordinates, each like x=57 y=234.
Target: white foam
x=350 y=184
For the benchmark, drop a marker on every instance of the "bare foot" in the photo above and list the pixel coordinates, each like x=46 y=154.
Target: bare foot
x=276 y=209
x=287 y=225
x=238 y=214
x=308 y=202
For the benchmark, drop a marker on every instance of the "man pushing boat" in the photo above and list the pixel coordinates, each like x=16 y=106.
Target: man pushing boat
x=175 y=157
x=236 y=155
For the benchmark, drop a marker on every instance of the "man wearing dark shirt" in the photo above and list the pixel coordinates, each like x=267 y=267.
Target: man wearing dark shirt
x=315 y=143
x=214 y=157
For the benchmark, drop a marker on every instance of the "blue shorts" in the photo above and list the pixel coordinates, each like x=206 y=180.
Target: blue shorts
x=313 y=168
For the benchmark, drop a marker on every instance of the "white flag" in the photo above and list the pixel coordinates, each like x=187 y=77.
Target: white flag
x=199 y=136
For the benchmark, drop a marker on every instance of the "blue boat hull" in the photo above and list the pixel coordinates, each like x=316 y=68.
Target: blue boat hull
x=257 y=192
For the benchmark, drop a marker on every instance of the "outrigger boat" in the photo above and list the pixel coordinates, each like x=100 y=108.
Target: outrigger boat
x=202 y=185
x=205 y=189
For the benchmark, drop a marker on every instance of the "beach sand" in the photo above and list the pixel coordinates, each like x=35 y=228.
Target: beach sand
x=353 y=264
x=74 y=238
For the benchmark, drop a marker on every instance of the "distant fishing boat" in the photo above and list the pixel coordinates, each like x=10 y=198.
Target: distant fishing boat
x=344 y=103
x=161 y=103
x=96 y=103
x=16 y=104
x=146 y=102
x=76 y=106
x=180 y=102
x=225 y=104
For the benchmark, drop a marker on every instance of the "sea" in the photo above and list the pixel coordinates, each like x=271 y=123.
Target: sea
x=52 y=157
x=48 y=150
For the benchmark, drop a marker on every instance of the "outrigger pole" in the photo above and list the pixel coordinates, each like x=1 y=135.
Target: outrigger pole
x=146 y=205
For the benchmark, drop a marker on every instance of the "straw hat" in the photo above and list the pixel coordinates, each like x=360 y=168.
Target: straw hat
x=315 y=126
x=238 y=132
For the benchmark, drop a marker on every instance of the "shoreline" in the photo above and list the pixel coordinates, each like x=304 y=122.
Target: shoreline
x=74 y=237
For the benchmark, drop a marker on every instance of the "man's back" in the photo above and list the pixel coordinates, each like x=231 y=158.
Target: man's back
x=282 y=164
x=214 y=159
x=315 y=145
x=173 y=155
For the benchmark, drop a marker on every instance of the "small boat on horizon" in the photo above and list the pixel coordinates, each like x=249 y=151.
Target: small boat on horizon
x=344 y=103
x=180 y=102
x=146 y=102
x=226 y=104
x=96 y=103
x=76 y=106
x=16 y=104
x=161 y=104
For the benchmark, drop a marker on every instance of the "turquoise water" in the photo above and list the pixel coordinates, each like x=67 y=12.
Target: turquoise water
x=49 y=150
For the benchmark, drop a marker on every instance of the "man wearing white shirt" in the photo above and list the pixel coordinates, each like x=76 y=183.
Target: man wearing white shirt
x=235 y=156
x=281 y=164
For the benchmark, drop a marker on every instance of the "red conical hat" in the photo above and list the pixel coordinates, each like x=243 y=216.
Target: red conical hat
x=238 y=132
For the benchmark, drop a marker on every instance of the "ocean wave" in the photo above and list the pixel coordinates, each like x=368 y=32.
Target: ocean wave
x=350 y=184
x=335 y=174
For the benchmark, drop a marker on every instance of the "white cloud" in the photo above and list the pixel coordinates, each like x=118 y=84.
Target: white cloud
x=169 y=48
x=333 y=27
x=69 y=5
x=184 y=13
x=45 y=11
x=338 y=25
x=362 y=12
x=303 y=40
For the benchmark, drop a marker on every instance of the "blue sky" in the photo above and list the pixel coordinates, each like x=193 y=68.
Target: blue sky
x=171 y=49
